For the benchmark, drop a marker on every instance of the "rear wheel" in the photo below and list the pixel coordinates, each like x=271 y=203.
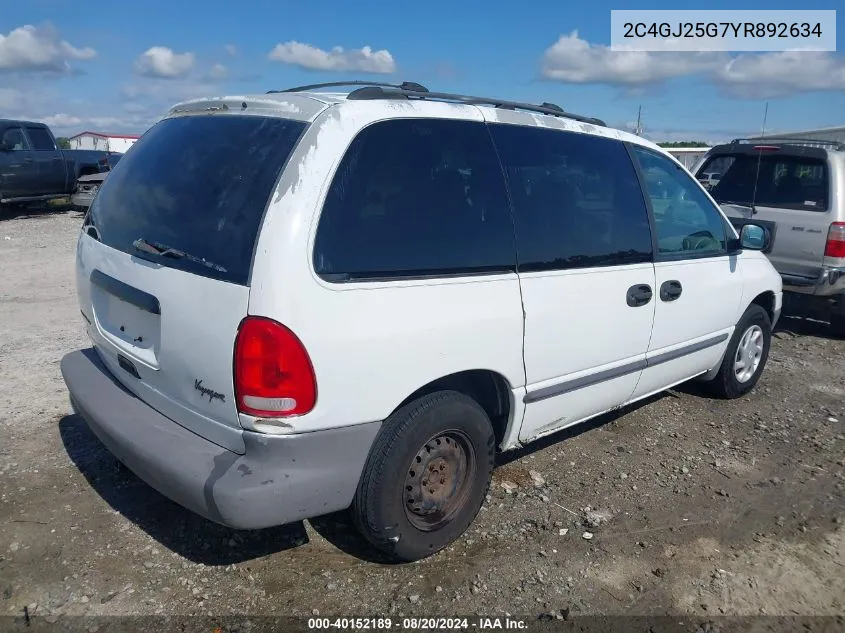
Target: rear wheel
x=426 y=476
x=746 y=355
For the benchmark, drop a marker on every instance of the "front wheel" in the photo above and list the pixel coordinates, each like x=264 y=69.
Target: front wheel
x=426 y=477
x=746 y=355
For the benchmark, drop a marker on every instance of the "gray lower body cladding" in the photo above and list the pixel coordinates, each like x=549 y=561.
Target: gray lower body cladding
x=279 y=479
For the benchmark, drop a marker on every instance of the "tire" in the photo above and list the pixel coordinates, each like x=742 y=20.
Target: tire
x=445 y=432
x=731 y=382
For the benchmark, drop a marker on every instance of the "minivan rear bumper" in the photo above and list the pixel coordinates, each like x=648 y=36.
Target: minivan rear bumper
x=280 y=478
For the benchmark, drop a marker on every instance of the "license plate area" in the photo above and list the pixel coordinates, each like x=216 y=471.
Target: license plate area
x=127 y=317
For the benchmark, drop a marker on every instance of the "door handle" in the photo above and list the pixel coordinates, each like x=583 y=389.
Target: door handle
x=670 y=290
x=28 y=160
x=638 y=295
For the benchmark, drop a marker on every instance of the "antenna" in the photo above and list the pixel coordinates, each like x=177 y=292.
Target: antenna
x=639 y=130
x=759 y=160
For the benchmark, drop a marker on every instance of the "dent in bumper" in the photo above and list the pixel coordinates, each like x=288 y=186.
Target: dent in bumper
x=279 y=479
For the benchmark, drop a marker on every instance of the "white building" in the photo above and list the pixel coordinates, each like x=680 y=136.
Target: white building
x=688 y=156
x=104 y=142
x=836 y=134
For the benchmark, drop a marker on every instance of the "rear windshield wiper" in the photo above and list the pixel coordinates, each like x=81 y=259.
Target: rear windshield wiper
x=157 y=249
x=166 y=251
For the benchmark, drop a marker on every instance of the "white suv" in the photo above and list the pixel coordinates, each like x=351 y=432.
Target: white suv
x=305 y=301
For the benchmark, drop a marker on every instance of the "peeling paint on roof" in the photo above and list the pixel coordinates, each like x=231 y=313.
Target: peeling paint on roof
x=308 y=105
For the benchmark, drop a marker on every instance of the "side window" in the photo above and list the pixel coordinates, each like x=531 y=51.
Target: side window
x=416 y=197
x=41 y=139
x=14 y=139
x=688 y=225
x=576 y=198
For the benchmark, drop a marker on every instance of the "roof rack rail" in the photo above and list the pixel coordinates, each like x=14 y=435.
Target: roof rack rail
x=785 y=140
x=405 y=85
x=374 y=91
x=551 y=106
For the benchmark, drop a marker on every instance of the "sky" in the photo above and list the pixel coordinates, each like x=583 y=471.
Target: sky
x=116 y=67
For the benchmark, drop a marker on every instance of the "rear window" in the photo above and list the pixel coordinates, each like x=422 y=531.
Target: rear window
x=790 y=182
x=199 y=185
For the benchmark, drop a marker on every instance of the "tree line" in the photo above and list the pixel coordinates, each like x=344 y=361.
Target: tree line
x=670 y=144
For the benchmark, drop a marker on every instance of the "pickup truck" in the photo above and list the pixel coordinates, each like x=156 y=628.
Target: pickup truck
x=33 y=168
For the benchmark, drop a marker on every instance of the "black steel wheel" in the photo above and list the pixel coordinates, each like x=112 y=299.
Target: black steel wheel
x=438 y=480
x=426 y=476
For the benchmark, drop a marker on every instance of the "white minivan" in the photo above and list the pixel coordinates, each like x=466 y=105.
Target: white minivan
x=306 y=301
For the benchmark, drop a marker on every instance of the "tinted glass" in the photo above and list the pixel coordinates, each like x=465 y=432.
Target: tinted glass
x=41 y=139
x=198 y=184
x=576 y=198
x=687 y=223
x=793 y=182
x=14 y=139
x=415 y=198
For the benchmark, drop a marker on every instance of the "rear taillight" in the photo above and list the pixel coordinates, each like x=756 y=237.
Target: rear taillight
x=835 y=246
x=273 y=373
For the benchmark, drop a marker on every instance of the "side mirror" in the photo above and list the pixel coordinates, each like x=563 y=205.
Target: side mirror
x=753 y=237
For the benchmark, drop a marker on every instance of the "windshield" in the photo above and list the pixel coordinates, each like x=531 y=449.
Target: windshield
x=199 y=185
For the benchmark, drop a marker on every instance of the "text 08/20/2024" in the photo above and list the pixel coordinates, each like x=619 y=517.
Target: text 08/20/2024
x=418 y=624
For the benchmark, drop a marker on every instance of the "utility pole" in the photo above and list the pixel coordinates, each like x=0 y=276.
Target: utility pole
x=639 y=130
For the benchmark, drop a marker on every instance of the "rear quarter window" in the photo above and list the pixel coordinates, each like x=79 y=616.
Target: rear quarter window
x=416 y=198
x=198 y=184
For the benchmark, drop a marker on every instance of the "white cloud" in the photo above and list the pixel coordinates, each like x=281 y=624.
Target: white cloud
x=218 y=72
x=39 y=49
x=764 y=75
x=152 y=99
x=713 y=136
x=10 y=99
x=167 y=92
x=30 y=98
x=63 y=124
x=337 y=59
x=780 y=74
x=62 y=120
x=231 y=49
x=133 y=107
x=160 y=61
x=574 y=60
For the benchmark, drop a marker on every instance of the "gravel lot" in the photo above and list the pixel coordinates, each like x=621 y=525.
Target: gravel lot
x=695 y=506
